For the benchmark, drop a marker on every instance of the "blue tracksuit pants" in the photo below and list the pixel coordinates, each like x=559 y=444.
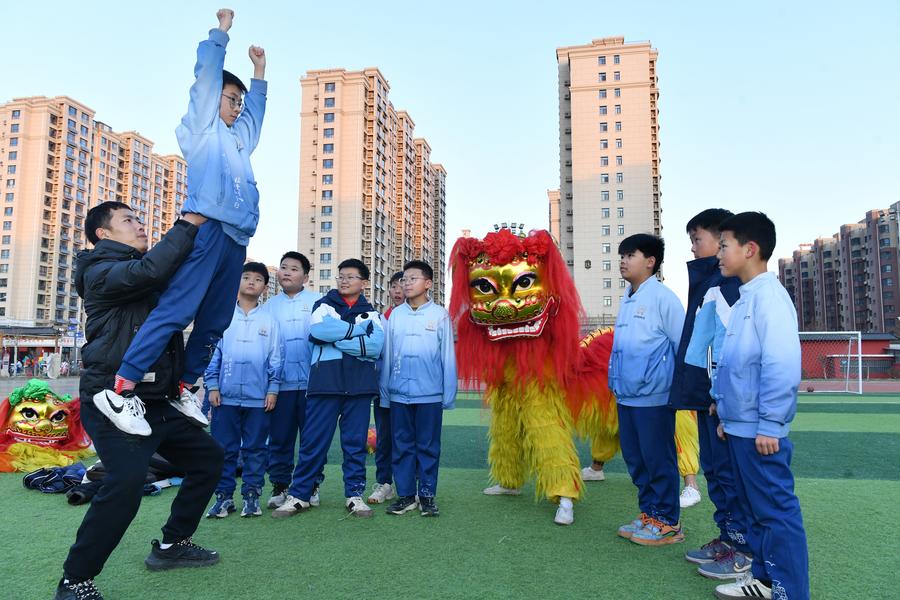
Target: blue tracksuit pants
x=383 y=444
x=241 y=430
x=647 y=439
x=323 y=413
x=286 y=423
x=203 y=290
x=715 y=460
x=765 y=487
x=417 y=447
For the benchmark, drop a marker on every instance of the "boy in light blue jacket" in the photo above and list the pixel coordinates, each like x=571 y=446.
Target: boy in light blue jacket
x=418 y=382
x=242 y=385
x=755 y=391
x=648 y=330
x=217 y=135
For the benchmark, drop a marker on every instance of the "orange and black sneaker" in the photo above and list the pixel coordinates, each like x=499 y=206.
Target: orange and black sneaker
x=657 y=533
x=629 y=529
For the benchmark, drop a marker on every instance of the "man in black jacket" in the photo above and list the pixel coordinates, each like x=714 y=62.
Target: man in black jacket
x=120 y=283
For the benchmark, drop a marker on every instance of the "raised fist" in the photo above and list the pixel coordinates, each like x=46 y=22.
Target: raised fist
x=225 y=16
x=257 y=56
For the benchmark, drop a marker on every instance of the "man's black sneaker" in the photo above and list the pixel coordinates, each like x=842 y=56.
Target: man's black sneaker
x=428 y=507
x=182 y=554
x=404 y=504
x=83 y=590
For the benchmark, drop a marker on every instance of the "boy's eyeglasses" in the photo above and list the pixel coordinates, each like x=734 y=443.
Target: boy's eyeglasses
x=343 y=278
x=233 y=102
x=405 y=280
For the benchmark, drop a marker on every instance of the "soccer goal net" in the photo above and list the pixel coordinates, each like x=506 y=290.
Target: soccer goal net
x=831 y=361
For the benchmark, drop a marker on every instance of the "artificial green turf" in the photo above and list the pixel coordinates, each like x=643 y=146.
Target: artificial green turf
x=480 y=547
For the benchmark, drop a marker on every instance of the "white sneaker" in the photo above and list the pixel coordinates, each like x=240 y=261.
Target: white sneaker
x=125 y=412
x=565 y=514
x=689 y=496
x=499 y=490
x=278 y=499
x=291 y=506
x=382 y=492
x=358 y=508
x=190 y=406
x=590 y=474
x=745 y=587
x=314 y=498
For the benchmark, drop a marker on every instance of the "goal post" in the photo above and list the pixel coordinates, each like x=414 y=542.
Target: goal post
x=831 y=361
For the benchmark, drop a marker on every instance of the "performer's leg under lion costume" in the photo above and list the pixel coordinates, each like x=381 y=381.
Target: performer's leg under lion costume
x=517 y=315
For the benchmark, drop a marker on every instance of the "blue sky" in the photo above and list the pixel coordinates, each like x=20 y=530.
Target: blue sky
x=789 y=108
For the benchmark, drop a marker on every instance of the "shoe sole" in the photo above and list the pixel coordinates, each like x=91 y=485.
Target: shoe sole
x=699 y=561
x=284 y=515
x=431 y=514
x=723 y=576
x=249 y=515
x=405 y=510
x=563 y=523
x=672 y=539
x=689 y=504
x=161 y=564
x=722 y=596
x=508 y=493
x=107 y=412
x=361 y=514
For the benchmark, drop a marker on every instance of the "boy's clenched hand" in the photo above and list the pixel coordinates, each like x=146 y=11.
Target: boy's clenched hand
x=225 y=16
x=258 y=58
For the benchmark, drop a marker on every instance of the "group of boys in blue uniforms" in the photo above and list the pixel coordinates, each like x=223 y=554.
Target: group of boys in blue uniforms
x=302 y=364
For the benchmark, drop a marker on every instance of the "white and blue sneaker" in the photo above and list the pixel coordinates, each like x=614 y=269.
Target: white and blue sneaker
x=730 y=565
x=223 y=507
x=745 y=587
x=251 y=505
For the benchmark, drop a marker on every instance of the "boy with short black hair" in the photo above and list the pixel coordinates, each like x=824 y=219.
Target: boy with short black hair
x=648 y=328
x=347 y=335
x=216 y=138
x=710 y=298
x=292 y=308
x=418 y=381
x=755 y=389
x=242 y=383
x=395 y=291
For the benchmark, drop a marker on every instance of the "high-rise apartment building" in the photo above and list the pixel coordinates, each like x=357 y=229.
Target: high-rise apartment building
x=608 y=162
x=848 y=282
x=368 y=188
x=553 y=200
x=56 y=161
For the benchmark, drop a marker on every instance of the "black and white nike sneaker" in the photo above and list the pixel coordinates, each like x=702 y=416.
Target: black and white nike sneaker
x=126 y=411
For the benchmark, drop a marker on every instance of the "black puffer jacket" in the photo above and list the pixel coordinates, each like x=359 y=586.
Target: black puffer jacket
x=120 y=286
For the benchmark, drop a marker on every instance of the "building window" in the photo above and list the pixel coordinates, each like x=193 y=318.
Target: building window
x=604 y=177
x=603 y=110
x=7 y=212
x=11 y=170
x=325 y=258
x=604 y=195
x=604 y=161
x=329 y=117
x=10 y=196
x=14 y=128
x=604 y=230
x=328 y=163
x=619 y=161
x=329 y=87
x=620 y=195
x=328 y=148
x=7 y=239
x=329 y=132
x=601 y=76
x=602 y=94
x=13 y=141
x=617 y=92
x=618 y=109
x=607 y=265
x=621 y=230
x=324 y=273
x=620 y=212
x=620 y=177
x=617 y=76
x=604 y=127
x=607 y=283
x=619 y=143
x=323 y=289
x=4 y=253
x=329 y=102
x=606 y=248
x=326 y=225
x=13 y=155
x=604 y=144
x=327 y=194
x=607 y=300
x=7 y=225
x=601 y=60
x=884 y=268
x=618 y=125
x=16 y=114
x=327 y=179
x=327 y=210
x=325 y=242
x=604 y=212
x=4 y=268
x=886 y=282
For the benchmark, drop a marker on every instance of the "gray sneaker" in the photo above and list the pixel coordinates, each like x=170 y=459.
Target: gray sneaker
x=708 y=552
x=730 y=565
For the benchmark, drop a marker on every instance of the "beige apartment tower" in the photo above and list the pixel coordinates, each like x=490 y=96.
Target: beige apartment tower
x=57 y=161
x=368 y=189
x=608 y=162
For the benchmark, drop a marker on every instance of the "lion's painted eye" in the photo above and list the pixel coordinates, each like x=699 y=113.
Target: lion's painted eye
x=29 y=413
x=58 y=417
x=524 y=281
x=484 y=286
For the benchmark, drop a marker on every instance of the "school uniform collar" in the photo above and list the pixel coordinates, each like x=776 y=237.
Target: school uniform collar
x=652 y=281
x=700 y=269
x=409 y=309
x=240 y=311
x=757 y=282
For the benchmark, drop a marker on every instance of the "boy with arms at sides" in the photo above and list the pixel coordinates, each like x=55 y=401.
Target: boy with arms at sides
x=216 y=138
x=292 y=308
x=120 y=282
x=418 y=379
x=648 y=328
x=384 y=475
x=755 y=390
x=242 y=380
x=347 y=335
x=710 y=298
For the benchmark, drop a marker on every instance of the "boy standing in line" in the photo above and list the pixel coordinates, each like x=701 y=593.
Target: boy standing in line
x=648 y=328
x=418 y=379
x=347 y=335
x=755 y=388
x=710 y=298
x=242 y=380
x=216 y=138
x=291 y=309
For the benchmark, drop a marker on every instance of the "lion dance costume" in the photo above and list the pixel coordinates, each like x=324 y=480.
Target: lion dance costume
x=39 y=428
x=517 y=315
